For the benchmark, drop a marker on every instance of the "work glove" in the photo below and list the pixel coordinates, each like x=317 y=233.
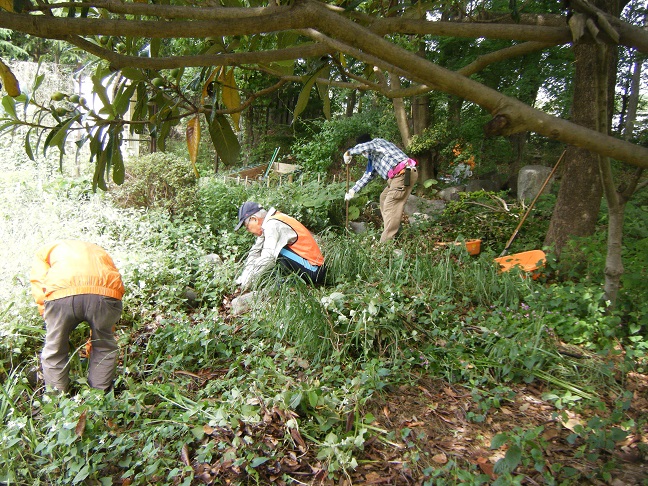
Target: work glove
x=347 y=158
x=349 y=195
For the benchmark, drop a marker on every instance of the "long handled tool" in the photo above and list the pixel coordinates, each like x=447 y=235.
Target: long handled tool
x=346 y=224
x=508 y=243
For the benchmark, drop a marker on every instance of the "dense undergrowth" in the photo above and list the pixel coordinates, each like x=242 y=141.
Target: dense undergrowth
x=284 y=393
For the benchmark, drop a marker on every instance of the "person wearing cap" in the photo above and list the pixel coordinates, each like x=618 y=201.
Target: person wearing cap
x=74 y=281
x=392 y=164
x=280 y=239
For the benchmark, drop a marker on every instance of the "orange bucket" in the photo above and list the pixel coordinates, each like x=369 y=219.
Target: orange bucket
x=473 y=247
x=528 y=261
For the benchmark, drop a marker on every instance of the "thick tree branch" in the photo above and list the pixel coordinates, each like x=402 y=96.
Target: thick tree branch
x=519 y=116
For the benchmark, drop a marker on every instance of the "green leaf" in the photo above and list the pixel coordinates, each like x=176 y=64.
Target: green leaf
x=498 y=441
x=123 y=98
x=58 y=137
x=323 y=90
x=354 y=212
x=100 y=90
x=119 y=170
x=98 y=179
x=9 y=105
x=257 y=461
x=155 y=47
x=510 y=461
x=224 y=139
x=28 y=149
x=133 y=74
x=302 y=101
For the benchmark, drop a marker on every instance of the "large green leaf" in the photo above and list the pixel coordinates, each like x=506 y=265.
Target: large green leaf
x=98 y=179
x=57 y=136
x=323 y=90
x=302 y=101
x=100 y=90
x=224 y=139
x=119 y=171
x=123 y=98
x=133 y=74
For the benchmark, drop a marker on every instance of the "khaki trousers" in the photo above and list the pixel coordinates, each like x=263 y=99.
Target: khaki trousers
x=62 y=316
x=392 y=203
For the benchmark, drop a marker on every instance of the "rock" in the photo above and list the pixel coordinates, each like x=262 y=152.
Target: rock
x=420 y=205
x=530 y=181
x=243 y=303
x=482 y=184
x=451 y=193
x=213 y=258
x=358 y=227
x=191 y=297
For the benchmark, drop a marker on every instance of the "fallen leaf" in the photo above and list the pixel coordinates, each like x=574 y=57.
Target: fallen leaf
x=440 y=458
x=386 y=411
x=80 y=426
x=572 y=423
x=450 y=392
x=486 y=467
x=550 y=434
x=184 y=454
x=294 y=433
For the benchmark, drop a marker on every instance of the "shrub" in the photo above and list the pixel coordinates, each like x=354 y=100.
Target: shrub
x=158 y=180
x=331 y=138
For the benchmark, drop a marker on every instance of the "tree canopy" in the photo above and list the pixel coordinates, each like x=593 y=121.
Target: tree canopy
x=328 y=44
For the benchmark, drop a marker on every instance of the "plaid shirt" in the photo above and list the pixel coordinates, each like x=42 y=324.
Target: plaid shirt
x=382 y=156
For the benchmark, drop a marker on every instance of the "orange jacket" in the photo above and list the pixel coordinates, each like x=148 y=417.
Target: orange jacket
x=305 y=245
x=72 y=267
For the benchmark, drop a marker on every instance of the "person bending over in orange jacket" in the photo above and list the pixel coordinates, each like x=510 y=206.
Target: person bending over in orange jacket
x=74 y=281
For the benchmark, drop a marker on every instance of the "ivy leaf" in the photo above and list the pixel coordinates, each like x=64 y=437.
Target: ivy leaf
x=257 y=461
x=510 y=461
x=498 y=441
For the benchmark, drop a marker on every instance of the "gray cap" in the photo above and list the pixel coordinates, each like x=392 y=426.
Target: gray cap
x=246 y=210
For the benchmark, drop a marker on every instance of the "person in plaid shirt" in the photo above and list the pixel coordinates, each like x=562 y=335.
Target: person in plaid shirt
x=392 y=164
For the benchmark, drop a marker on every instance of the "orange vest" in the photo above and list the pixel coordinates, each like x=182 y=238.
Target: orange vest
x=72 y=267
x=305 y=245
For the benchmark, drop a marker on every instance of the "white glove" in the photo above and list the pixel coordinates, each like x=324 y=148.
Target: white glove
x=349 y=195
x=347 y=158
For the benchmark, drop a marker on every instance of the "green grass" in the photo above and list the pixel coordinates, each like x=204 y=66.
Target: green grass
x=304 y=359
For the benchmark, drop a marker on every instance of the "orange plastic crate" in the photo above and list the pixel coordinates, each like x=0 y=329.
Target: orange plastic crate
x=528 y=261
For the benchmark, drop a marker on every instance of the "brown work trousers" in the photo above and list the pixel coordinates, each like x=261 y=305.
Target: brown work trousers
x=62 y=316
x=392 y=203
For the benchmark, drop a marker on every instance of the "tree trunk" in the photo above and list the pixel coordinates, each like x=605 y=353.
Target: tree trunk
x=633 y=99
x=579 y=197
x=399 y=111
